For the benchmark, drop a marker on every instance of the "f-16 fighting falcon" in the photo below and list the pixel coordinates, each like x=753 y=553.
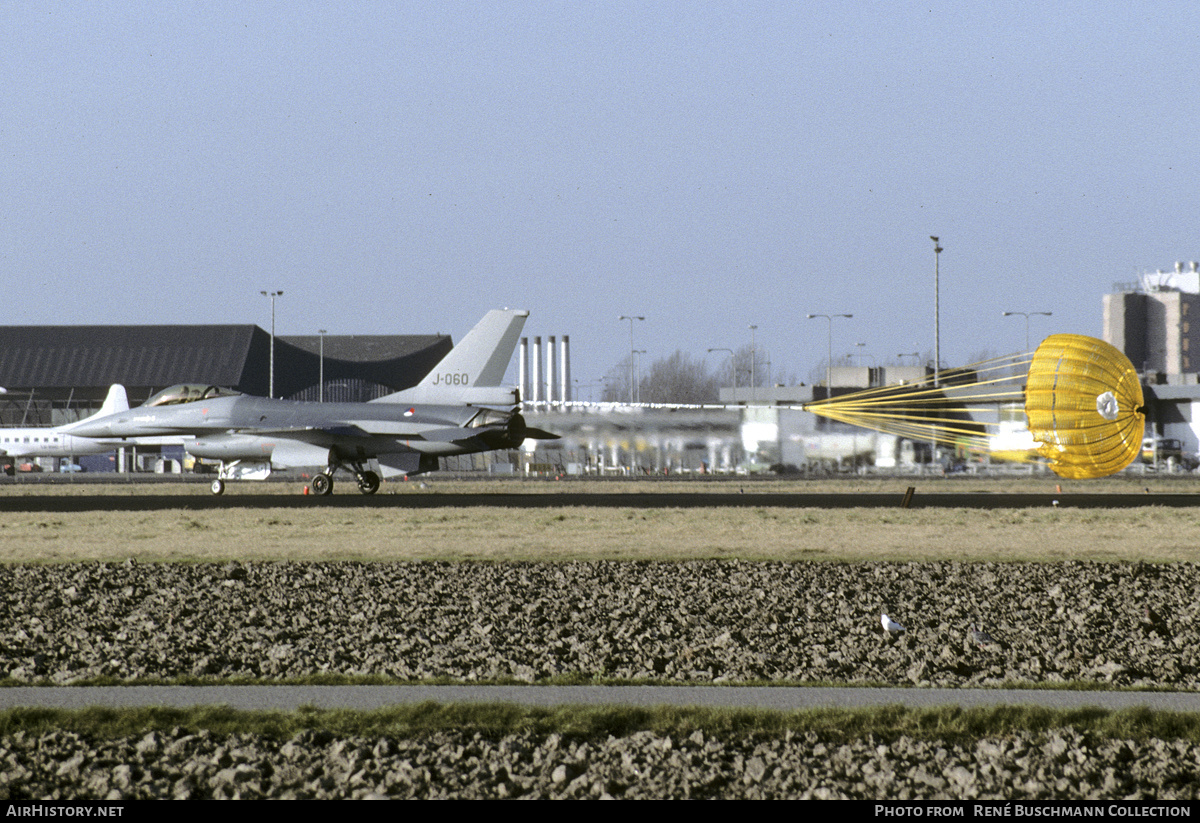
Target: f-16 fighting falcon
x=459 y=408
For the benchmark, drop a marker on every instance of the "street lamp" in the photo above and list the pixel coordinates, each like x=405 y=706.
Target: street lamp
x=271 y=379
x=937 y=310
x=630 y=318
x=639 y=373
x=829 y=351
x=578 y=386
x=753 y=363
x=321 y=385
x=863 y=353
x=1026 y=315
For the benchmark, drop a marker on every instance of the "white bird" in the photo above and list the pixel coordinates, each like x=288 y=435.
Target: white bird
x=890 y=625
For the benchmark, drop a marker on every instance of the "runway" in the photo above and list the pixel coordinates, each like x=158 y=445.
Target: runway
x=201 y=500
x=289 y=698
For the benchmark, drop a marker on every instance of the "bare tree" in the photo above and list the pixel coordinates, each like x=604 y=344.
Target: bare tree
x=983 y=355
x=674 y=379
x=616 y=383
x=678 y=379
x=745 y=368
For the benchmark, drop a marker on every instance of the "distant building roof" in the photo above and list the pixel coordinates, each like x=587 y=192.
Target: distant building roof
x=363 y=348
x=71 y=357
x=80 y=362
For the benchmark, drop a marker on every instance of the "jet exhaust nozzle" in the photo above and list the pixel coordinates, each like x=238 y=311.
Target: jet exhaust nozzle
x=500 y=430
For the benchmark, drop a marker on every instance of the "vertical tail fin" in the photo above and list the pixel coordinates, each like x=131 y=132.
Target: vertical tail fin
x=479 y=361
x=481 y=358
x=115 y=401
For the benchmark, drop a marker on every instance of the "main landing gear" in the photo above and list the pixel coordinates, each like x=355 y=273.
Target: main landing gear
x=367 y=480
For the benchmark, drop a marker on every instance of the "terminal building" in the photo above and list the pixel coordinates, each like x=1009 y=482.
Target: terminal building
x=1155 y=321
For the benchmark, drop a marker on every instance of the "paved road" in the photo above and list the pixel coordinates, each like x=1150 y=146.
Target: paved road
x=286 y=698
x=202 y=500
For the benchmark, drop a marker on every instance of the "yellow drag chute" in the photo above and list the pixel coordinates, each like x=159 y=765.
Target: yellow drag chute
x=1081 y=397
x=1084 y=402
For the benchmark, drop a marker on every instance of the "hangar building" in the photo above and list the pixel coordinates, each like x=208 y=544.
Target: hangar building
x=56 y=374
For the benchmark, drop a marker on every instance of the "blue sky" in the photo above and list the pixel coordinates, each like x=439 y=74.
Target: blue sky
x=403 y=167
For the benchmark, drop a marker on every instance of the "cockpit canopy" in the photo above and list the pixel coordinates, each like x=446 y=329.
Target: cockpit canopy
x=188 y=393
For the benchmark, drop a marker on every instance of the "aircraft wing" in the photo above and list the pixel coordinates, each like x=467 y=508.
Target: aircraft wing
x=452 y=434
x=385 y=428
x=366 y=430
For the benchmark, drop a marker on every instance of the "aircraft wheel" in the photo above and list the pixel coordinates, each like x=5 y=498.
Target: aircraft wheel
x=368 y=482
x=322 y=484
x=218 y=487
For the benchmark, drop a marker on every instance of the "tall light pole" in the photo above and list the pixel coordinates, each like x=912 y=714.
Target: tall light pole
x=639 y=373
x=630 y=318
x=937 y=310
x=1026 y=315
x=321 y=385
x=829 y=355
x=753 y=363
x=271 y=379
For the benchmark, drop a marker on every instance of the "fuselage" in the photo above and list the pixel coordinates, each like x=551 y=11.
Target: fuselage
x=297 y=433
x=48 y=442
x=61 y=441
x=243 y=413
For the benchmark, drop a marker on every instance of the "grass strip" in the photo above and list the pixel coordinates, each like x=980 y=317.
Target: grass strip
x=498 y=534
x=560 y=680
x=949 y=724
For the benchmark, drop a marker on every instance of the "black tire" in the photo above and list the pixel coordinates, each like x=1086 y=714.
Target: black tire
x=368 y=482
x=321 y=485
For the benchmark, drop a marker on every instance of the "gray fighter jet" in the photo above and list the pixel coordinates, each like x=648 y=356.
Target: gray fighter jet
x=459 y=408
